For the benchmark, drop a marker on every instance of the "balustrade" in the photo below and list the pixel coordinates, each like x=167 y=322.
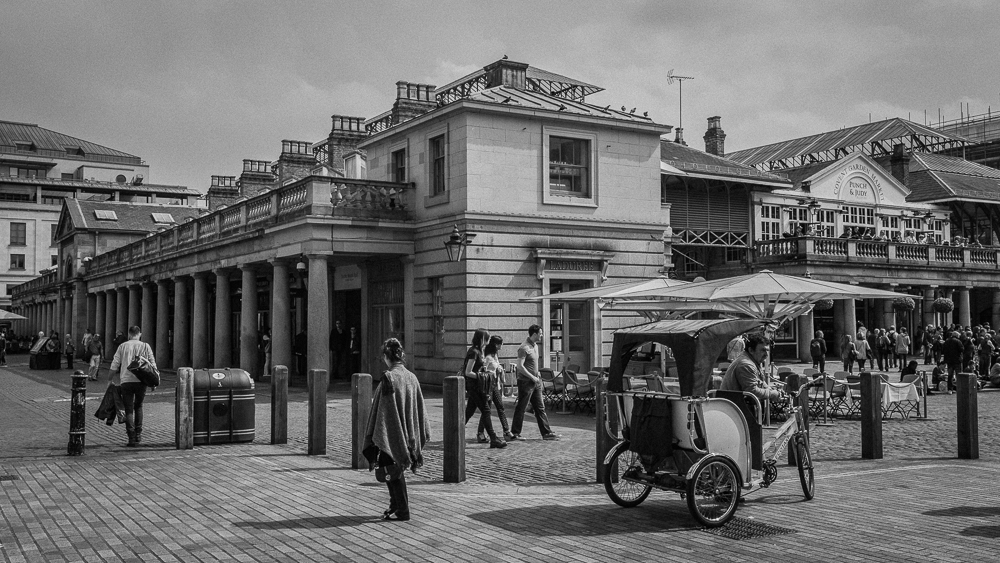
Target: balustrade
x=912 y=252
x=258 y=209
x=369 y=196
x=831 y=246
x=983 y=256
x=229 y=218
x=949 y=254
x=871 y=249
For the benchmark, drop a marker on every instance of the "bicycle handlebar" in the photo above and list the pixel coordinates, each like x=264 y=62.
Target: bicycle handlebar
x=818 y=382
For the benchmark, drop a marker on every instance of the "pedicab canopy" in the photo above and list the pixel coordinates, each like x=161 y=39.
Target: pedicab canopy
x=696 y=345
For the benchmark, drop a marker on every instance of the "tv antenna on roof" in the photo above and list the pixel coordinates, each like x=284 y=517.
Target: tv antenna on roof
x=680 y=84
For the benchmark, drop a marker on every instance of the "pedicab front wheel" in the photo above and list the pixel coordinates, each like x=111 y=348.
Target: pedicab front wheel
x=713 y=491
x=624 y=492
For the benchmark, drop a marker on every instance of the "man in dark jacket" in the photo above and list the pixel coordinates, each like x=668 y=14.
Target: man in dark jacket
x=953 y=352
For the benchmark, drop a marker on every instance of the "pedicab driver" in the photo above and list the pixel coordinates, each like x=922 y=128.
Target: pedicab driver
x=744 y=374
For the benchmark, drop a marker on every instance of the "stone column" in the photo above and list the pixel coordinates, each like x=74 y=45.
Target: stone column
x=409 y=327
x=57 y=313
x=148 y=321
x=110 y=314
x=121 y=317
x=281 y=318
x=888 y=313
x=317 y=317
x=223 y=320
x=100 y=312
x=70 y=316
x=805 y=326
x=182 y=325
x=963 y=306
x=91 y=316
x=162 y=348
x=248 y=321
x=927 y=304
x=200 y=344
x=995 y=317
x=134 y=304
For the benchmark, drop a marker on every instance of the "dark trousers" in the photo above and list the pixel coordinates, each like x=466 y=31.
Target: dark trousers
x=399 y=502
x=819 y=362
x=901 y=358
x=133 y=394
x=953 y=370
x=861 y=364
x=880 y=358
x=497 y=399
x=69 y=360
x=527 y=392
x=478 y=400
x=984 y=366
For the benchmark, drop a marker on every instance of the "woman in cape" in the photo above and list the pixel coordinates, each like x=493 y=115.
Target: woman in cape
x=397 y=429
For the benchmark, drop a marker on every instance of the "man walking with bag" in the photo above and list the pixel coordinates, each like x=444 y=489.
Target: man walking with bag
x=133 y=390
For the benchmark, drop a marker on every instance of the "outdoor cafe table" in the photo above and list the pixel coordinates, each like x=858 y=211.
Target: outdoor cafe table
x=894 y=397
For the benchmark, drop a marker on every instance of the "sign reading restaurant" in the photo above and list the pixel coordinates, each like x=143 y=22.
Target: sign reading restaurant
x=858 y=182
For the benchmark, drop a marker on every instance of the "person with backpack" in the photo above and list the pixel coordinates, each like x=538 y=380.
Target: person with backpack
x=985 y=350
x=817 y=349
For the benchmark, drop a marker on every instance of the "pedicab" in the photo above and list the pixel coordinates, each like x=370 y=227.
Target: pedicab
x=705 y=445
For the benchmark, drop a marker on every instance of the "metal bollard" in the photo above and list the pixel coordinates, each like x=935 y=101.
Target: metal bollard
x=871 y=416
x=78 y=415
x=279 y=405
x=318 y=383
x=361 y=408
x=184 y=410
x=454 y=429
x=967 y=413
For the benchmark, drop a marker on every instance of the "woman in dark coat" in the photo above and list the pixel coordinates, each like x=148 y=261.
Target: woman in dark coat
x=397 y=429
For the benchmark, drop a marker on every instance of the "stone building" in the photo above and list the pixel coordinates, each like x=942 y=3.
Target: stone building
x=560 y=193
x=39 y=169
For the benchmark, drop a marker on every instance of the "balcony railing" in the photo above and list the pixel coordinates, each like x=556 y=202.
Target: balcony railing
x=32 y=286
x=872 y=251
x=316 y=196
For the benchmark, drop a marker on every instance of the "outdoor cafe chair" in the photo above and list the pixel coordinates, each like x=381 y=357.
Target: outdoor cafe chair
x=810 y=372
x=817 y=400
x=548 y=385
x=579 y=391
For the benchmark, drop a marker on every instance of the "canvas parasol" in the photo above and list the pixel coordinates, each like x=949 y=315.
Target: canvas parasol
x=764 y=294
x=611 y=291
x=8 y=316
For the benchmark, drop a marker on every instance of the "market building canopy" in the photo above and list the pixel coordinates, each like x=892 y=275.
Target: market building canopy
x=873 y=139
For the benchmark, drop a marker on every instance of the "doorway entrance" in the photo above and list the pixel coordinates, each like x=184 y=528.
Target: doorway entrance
x=570 y=328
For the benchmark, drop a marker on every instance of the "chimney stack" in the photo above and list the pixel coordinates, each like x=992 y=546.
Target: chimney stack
x=679 y=139
x=222 y=192
x=715 y=137
x=296 y=161
x=899 y=164
x=256 y=178
x=412 y=100
x=344 y=137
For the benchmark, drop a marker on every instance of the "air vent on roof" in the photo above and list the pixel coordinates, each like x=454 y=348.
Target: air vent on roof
x=163 y=218
x=105 y=215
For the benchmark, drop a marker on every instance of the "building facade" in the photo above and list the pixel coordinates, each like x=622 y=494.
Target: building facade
x=39 y=169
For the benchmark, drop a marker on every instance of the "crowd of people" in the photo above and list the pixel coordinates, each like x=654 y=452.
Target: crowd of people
x=952 y=350
x=869 y=233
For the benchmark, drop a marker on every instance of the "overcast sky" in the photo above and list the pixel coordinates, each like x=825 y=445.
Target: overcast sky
x=195 y=87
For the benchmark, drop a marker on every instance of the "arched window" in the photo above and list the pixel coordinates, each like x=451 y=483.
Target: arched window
x=121 y=179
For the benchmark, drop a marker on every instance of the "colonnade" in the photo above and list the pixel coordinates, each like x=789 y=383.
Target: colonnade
x=845 y=315
x=189 y=326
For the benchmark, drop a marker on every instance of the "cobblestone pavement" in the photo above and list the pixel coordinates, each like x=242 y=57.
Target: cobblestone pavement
x=533 y=501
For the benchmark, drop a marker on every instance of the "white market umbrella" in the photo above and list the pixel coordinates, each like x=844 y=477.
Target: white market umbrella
x=8 y=316
x=764 y=294
x=611 y=291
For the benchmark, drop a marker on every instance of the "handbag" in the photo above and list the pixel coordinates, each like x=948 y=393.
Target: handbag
x=143 y=369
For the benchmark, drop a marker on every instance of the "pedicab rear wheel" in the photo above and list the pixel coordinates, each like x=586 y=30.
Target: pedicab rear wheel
x=804 y=462
x=623 y=492
x=713 y=491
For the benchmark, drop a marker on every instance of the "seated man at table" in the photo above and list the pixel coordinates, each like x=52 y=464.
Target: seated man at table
x=744 y=374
